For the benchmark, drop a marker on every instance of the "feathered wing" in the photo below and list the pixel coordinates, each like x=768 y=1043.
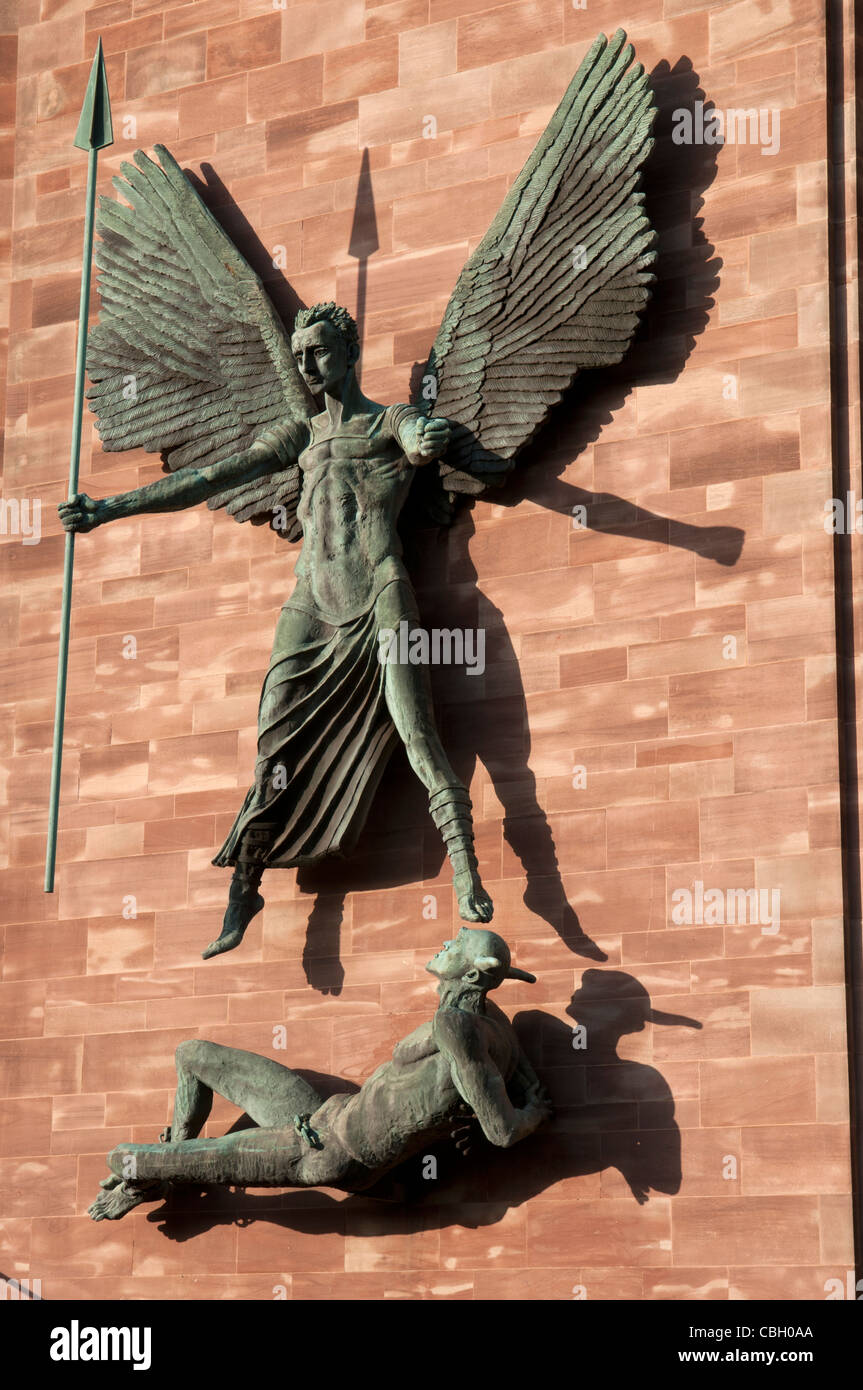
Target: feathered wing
x=189 y=358
x=558 y=281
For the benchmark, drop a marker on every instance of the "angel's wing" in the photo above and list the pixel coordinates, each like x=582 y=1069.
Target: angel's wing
x=189 y=358
x=558 y=281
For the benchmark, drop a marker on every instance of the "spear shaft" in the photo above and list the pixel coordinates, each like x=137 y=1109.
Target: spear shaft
x=94 y=133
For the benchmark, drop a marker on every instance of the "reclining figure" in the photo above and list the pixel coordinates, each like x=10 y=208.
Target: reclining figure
x=467 y=1055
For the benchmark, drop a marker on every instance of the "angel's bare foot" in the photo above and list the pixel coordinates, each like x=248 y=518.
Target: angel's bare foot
x=474 y=903
x=243 y=905
x=111 y=1205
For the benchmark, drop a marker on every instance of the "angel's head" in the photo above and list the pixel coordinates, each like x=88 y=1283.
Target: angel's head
x=326 y=346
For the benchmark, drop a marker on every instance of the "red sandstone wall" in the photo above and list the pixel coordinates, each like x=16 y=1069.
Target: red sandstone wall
x=699 y=766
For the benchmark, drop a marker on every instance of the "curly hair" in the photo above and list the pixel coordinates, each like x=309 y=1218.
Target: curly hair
x=330 y=313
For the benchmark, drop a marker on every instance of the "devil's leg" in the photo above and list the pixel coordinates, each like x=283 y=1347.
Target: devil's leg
x=247 y=1158
x=270 y=1093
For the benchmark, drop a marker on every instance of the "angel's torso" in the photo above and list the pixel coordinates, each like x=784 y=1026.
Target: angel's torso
x=355 y=482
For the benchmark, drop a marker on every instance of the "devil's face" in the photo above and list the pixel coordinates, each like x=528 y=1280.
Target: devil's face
x=449 y=963
x=458 y=956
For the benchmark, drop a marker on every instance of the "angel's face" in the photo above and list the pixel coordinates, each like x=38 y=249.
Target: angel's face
x=322 y=357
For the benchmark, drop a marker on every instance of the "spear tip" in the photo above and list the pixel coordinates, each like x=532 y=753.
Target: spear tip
x=95 y=129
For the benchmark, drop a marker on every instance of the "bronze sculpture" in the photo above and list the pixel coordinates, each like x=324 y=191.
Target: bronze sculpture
x=190 y=360
x=468 y=1055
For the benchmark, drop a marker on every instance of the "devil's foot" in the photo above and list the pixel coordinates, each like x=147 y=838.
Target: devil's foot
x=241 y=910
x=114 y=1180
x=474 y=903
x=111 y=1205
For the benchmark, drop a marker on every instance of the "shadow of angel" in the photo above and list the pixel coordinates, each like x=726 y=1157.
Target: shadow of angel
x=611 y=1113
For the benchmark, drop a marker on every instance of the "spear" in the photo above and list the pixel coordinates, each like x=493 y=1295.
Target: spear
x=94 y=132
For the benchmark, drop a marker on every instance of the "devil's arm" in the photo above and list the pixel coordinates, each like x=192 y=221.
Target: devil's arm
x=527 y=1084
x=524 y=1079
x=480 y=1083
x=417 y=1045
x=189 y=485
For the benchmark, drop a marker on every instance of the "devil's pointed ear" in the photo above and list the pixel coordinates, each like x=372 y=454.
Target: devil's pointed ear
x=515 y=974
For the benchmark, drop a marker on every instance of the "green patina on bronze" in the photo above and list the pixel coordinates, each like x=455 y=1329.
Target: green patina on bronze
x=189 y=359
x=466 y=1062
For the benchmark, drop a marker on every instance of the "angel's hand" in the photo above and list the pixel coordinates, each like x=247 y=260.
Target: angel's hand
x=81 y=513
x=433 y=436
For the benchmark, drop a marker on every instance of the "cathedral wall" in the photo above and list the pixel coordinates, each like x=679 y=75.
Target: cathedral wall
x=656 y=711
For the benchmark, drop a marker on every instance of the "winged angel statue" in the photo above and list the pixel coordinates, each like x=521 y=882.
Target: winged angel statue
x=277 y=430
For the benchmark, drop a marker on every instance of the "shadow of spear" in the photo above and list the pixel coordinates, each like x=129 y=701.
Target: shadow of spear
x=364 y=240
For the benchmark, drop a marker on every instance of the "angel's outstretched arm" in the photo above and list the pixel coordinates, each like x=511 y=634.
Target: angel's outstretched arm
x=173 y=493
